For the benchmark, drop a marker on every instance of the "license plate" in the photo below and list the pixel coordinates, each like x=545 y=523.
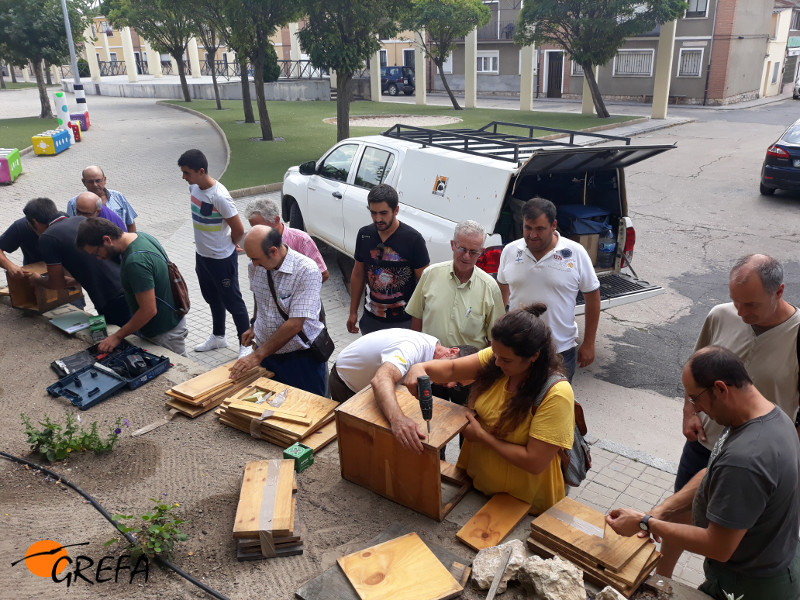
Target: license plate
x=796 y=162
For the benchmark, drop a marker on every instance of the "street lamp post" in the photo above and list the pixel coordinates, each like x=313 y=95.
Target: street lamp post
x=80 y=96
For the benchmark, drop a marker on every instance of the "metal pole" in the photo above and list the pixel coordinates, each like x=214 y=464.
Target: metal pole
x=80 y=96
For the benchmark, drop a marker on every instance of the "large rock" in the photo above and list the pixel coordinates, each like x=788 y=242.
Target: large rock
x=552 y=579
x=609 y=593
x=487 y=561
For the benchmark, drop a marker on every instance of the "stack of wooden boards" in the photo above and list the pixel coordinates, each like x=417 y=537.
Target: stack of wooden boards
x=204 y=392
x=302 y=417
x=266 y=521
x=579 y=534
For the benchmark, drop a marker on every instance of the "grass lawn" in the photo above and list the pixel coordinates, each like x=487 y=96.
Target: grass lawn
x=307 y=137
x=16 y=133
x=10 y=85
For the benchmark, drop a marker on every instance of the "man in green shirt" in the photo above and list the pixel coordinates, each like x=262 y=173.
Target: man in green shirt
x=455 y=301
x=145 y=282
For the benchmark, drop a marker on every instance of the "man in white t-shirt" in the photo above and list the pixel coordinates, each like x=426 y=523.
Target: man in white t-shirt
x=381 y=359
x=545 y=267
x=217 y=230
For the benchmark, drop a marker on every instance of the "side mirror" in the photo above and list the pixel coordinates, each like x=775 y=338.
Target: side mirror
x=308 y=168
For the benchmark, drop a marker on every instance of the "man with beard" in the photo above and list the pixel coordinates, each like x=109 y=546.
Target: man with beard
x=145 y=282
x=94 y=180
x=389 y=259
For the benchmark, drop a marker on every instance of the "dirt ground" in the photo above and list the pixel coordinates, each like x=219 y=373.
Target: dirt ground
x=196 y=463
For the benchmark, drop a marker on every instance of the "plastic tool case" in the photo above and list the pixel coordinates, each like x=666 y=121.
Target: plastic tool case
x=87 y=386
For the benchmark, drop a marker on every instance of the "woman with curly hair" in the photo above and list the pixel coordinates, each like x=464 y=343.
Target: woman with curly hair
x=512 y=445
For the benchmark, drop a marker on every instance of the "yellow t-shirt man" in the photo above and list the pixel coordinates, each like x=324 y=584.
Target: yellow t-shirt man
x=553 y=423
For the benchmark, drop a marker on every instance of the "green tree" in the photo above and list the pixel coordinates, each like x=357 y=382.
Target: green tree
x=34 y=30
x=166 y=24
x=253 y=23
x=445 y=22
x=341 y=35
x=591 y=31
x=209 y=28
x=272 y=70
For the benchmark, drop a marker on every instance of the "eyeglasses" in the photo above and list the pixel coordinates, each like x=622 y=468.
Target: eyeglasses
x=101 y=180
x=472 y=253
x=85 y=214
x=694 y=399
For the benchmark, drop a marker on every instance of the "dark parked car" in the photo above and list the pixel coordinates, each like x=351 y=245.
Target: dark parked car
x=397 y=79
x=781 y=170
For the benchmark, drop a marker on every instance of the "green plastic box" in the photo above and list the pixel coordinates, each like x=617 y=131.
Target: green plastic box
x=303 y=456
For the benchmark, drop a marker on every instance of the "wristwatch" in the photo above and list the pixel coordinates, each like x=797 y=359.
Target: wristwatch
x=644 y=523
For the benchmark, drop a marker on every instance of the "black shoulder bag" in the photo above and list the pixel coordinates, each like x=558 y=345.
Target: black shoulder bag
x=322 y=347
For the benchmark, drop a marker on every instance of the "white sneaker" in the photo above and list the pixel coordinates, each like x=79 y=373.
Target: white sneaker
x=212 y=343
x=245 y=351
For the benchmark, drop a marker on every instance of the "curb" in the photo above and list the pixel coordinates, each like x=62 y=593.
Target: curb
x=213 y=124
x=256 y=189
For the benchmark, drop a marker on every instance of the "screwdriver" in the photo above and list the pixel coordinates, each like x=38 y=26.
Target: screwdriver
x=425 y=399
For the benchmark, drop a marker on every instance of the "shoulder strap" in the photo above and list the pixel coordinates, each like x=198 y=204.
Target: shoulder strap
x=282 y=310
x=551 y=381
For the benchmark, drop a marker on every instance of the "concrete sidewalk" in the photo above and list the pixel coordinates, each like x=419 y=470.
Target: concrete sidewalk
x=137 y=142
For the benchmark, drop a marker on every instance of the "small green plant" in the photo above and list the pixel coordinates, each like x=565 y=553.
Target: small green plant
x=56 y=441
x=158 y=531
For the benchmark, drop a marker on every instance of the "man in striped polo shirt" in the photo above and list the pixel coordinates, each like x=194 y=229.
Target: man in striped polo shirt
x=217 y=230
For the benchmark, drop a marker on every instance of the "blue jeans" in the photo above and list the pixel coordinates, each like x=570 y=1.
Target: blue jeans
x=219 y=285
x=570 y=358
x=694 y=459
x=298 y=370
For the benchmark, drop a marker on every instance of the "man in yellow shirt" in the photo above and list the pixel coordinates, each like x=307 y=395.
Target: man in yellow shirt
x=456 y=302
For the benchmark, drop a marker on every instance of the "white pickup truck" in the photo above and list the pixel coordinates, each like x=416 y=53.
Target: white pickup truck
x=449 y=175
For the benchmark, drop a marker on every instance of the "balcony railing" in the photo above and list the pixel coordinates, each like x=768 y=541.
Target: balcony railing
x=497 y=30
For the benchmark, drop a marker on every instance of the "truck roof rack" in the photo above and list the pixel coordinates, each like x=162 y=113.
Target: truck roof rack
x=490 y=141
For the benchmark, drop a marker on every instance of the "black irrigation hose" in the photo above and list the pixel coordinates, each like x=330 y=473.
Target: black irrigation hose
x=105 y=513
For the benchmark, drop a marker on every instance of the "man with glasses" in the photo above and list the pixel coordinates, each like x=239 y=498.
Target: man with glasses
x=89 y=204
x=456 y=302
x=741 y=512
x=389 y=259
x=94 y=180
x=761 y=328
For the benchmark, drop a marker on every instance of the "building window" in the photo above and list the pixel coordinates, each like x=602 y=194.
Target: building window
x=447 y=65
x=633 y=63
x=775 y=72
x=795 y=20
x=408 y=57
x=489 y=62
x=690 y=62
x=697 y=9
x=384 y=60
x=576 y=69
x=112 y=56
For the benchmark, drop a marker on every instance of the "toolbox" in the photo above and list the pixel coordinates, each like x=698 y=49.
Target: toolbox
x=134 y=365
x=87 y=386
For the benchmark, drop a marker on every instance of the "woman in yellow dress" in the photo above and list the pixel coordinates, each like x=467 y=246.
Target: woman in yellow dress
x=510 y=445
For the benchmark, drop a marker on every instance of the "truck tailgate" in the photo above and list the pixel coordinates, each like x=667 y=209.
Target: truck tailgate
x=617 y=289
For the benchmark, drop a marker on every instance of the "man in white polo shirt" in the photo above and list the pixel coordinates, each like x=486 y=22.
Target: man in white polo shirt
x=545 y=267
x=381 y=359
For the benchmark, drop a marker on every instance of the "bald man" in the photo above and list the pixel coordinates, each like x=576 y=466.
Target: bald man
x=94 y=180
x=282 y=343
x=89 y=204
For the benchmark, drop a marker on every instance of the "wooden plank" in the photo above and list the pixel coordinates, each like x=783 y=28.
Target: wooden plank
x=493 y=522
x=452 y=474
x=256 y=410
x=282 y=521
x=612 y=550
x=333 y=585
x=400 y=568
x=448 y=418
x=207 y=382
x=317 y=440
x=250 y=496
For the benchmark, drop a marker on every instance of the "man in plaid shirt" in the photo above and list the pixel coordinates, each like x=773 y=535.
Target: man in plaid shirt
x=297 y=283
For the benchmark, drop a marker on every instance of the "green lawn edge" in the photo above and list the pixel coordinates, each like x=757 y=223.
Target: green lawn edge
x=17 y=133
x=306 y=136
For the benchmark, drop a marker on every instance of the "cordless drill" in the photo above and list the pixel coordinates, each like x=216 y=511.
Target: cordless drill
x=425 y=399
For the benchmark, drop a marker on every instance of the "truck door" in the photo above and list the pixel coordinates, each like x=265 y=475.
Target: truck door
x=326 y=191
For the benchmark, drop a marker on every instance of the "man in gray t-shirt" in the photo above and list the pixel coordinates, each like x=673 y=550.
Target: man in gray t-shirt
x=742 y=512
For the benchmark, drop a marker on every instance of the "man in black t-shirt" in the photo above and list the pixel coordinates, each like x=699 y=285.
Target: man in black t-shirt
x=389 y=259
x=65 y=262
x=19 y=237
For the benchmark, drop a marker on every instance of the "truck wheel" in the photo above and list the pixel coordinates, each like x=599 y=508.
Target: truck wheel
x=392 y=89
x=296 y=217
x=765 y=191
